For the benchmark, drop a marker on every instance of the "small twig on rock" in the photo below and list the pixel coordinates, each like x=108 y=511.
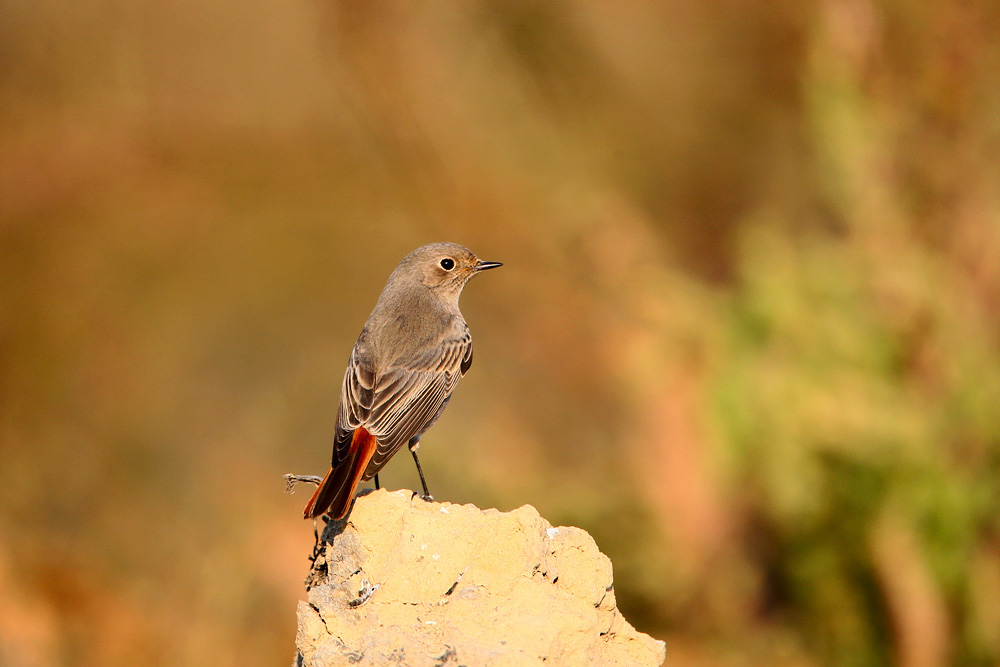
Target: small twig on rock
x=291 y=480
x=444 y=598
x=365 y=593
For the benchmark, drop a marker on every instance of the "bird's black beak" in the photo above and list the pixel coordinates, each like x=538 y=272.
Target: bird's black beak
x=482 y=266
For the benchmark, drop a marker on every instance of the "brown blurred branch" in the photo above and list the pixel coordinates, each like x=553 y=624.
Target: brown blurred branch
x=916 y=604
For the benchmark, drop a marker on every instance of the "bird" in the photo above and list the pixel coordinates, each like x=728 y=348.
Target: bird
x=407 y=361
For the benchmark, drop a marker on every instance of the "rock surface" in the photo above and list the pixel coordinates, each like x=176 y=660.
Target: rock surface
x=409 y=582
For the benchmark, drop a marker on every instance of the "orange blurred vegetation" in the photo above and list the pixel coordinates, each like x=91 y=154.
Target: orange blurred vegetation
x=747 y=333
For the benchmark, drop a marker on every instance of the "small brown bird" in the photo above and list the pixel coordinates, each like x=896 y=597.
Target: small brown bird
x=411 y=353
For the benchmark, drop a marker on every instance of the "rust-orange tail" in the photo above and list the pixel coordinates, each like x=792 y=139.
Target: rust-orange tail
x=336 y=491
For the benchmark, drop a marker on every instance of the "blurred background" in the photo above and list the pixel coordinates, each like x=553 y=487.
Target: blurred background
x=747 y=333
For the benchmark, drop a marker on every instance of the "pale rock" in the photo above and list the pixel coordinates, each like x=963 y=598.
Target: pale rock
x=409 y=582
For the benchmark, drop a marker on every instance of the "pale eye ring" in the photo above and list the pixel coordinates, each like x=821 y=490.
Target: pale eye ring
x=447 y=264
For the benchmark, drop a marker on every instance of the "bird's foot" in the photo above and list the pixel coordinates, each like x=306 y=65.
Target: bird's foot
x=426 y=497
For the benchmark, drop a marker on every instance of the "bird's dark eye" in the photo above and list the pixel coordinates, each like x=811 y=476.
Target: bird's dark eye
x=447 y=264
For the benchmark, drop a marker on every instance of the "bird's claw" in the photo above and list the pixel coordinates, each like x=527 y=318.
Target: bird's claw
x=427 y=498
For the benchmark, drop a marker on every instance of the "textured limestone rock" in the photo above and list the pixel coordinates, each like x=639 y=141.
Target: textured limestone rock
x=414 y=583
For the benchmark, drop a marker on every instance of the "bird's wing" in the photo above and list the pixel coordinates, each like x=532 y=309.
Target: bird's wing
x=401 y=401
x=357 y=395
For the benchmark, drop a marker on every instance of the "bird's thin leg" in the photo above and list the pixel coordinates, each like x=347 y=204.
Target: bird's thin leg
x=377 y=487
x=414 y=446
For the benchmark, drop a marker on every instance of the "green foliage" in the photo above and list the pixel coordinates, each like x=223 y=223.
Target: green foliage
x=832 y=420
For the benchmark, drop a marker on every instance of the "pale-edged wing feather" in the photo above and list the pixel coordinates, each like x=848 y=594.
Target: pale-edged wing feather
x=402 y=401
x=408 y=412
x=357 y=395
